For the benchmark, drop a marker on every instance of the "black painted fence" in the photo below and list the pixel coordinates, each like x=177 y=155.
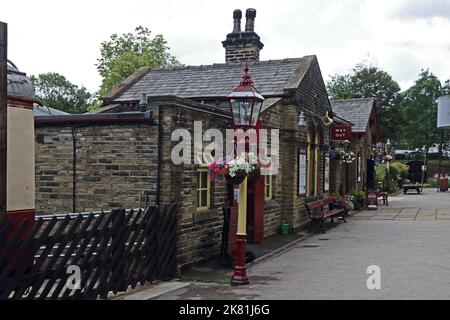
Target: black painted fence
x=87 y=256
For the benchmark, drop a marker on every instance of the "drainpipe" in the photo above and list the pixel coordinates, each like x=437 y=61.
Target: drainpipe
x=158 y=177
x=74 y=171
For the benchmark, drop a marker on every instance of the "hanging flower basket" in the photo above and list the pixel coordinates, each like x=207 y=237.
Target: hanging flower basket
x=237 y=169
x=238 y=179
x=346 y=157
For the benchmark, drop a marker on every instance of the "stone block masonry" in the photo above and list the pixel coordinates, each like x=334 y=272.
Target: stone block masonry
x=111 y=167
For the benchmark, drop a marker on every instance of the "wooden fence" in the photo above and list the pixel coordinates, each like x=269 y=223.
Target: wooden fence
x=86 y=256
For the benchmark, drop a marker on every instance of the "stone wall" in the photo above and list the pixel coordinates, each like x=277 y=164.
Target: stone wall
x=242 y=52
x=199 y=231
x=273 y=210
x=114 y=165
x=312 y=98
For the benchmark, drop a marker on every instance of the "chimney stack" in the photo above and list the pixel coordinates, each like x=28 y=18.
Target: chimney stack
x=237 y=16
x=243 y=46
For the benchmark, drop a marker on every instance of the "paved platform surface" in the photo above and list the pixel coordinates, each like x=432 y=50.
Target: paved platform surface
x=409 y=241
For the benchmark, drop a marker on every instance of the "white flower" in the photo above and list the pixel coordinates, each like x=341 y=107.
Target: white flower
x=240 y=165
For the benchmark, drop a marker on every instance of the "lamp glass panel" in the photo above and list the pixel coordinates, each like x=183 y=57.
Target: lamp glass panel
x=256 y=112
x=235 y=107
x=246 y=111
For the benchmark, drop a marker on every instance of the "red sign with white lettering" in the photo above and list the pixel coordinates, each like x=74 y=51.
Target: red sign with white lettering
x=341 y=132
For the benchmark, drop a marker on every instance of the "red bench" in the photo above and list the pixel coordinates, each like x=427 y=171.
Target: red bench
x=320 y=210
x=384 y=197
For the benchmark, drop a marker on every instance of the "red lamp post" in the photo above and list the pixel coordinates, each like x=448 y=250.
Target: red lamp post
x=245 y=105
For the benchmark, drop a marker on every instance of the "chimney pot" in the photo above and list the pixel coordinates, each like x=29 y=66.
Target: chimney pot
x=242 y=46
x=237 y=16
x=250 y=14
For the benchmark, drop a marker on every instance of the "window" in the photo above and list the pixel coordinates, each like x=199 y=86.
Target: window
x=268 y=187
x=203 y=189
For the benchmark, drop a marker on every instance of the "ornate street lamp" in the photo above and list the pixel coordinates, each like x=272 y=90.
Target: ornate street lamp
x=388 y=146
x=245 y=105
x=302 y=120
x=143 y=103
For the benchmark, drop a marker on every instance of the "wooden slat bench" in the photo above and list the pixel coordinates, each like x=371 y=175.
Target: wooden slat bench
x=320 y=210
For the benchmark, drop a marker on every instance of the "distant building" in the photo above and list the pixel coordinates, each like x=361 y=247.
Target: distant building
x=365 y=134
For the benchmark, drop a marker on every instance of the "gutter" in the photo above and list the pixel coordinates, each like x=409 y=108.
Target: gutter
x=159 y=168
x=94 y=119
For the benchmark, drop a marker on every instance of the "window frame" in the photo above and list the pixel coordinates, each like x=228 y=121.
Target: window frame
x=201 y=188
x=268 y=183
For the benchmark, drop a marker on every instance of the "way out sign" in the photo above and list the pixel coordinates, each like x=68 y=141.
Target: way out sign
x=443 y=120
x=341 y=132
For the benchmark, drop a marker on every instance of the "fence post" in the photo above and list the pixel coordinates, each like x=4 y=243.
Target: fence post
x=120 y=247
x=3 y=114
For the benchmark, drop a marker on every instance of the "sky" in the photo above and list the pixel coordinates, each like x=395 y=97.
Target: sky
x=400 y=36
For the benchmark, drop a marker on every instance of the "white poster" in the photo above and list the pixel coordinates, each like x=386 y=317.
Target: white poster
x=326 y=175
x=358 y=168
x=302 y=172
x=443 y=112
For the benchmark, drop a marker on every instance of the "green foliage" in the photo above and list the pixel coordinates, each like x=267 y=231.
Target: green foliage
x=401 y=170
x=358 y=198
x=368 y=81
x=341 y=87
x=390 y=177
x=122 y=55
x=432 y=182
x=55 y=91
x=336 y=195
x=419 y=108
x=380 y=173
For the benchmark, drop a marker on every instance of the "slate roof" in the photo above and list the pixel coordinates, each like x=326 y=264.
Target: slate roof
x=46 y=111
x=271 y=78
x=357 y=111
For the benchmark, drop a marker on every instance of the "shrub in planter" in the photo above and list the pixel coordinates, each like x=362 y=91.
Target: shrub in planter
x=359 y=198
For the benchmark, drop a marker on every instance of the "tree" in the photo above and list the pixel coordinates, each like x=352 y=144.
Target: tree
x=419 y=106
x=55 y=91
x=341 y=87
x=366 y=80
x=122 y=55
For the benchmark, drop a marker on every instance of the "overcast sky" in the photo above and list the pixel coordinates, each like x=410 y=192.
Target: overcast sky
x=402 y=35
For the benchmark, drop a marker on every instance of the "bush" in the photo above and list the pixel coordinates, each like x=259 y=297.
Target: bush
x=401 y=171
x=336 y=195
x=391 y=177
x=433 y=183
x=358 y=197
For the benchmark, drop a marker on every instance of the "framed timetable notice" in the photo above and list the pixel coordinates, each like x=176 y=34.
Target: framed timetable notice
x=326 y=174
x=358 y=168
x=301 y=172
